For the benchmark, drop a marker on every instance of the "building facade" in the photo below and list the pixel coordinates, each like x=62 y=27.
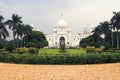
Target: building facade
x=62 y=35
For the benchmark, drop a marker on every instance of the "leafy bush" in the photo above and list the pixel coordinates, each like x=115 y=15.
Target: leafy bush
x=106 y=46
x=33 y=50
x=1 y=45
x=30 y=44
x=3 y=51
x=112 y=50
x=99 y=50
x=10 y=46
x=90 y=49
x=21 y=50
x=64 y=58
x=102 y=47
x=93 y=44
x=62 y=48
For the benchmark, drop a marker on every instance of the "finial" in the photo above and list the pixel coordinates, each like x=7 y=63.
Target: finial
x=61 y=15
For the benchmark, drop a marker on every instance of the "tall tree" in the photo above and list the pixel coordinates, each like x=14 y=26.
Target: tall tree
x=105 y=29
x=24 y=30
x=21 y=31
x=14 y=24
x=3 y=31
x=97 y=32
x=36 y=39
x=115 y=23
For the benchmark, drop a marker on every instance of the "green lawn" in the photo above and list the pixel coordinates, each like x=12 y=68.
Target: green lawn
x=56 y=51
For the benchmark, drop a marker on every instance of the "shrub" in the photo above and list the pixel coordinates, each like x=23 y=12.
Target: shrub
x=113 y=50
x=60 y=58
x=102 y=47
x=93 y=44
x=90 y=49
x=62 y=48
x=99 y=50
x=30 y=44
x=33 y=50
x=3 y=51
x=109 y=51
x=10 y=46
x=1 y=45
x=106 y=46
x=21 y=50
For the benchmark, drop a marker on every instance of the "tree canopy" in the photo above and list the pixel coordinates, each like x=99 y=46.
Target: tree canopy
x=36 y=39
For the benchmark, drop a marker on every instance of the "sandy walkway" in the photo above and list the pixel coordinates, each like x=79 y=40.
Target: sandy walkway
x=59 y=72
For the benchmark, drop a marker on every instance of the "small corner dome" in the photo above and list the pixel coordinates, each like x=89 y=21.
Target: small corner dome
x=62 y=23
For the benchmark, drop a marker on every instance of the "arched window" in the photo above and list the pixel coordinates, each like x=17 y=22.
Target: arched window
x=62 y=40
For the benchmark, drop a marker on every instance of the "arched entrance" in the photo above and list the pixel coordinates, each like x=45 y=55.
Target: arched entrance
x=62 y=41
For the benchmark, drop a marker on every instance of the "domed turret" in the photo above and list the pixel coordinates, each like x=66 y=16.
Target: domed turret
x=62 y=27
x=62 y=23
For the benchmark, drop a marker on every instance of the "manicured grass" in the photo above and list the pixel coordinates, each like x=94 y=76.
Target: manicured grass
x=57 y=51
x=76 y=51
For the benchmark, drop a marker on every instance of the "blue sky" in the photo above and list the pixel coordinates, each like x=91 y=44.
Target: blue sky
x=44 y=14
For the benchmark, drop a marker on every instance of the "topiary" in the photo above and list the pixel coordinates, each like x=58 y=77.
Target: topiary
x=62 y=48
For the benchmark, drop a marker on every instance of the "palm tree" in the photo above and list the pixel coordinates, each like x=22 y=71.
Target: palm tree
x=23 y=30
x=14 y=24
x=103 y=29
x=115 y=23
x=19 y=33
x=3 y=31
x=27 y=31
x=97 y=32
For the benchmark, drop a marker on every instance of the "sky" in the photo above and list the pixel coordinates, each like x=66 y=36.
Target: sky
x=44 y=14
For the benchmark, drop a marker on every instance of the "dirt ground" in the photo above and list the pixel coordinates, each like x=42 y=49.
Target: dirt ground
x=60 y=72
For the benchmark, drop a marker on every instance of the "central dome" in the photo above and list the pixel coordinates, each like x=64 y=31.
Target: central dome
x=62 y=23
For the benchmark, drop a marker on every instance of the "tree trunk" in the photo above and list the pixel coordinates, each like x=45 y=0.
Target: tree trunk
x=112 y=39
x=105 y=40
x=0 y=36
x=117 y=39
x=17 y=41
x=14 y=35
x=24 y=42
x=21 y=41
x=14 y=38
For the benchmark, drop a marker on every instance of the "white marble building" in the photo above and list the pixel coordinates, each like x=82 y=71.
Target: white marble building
x=62 y=35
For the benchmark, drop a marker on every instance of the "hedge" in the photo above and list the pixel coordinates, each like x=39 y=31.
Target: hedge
x=60 y=58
